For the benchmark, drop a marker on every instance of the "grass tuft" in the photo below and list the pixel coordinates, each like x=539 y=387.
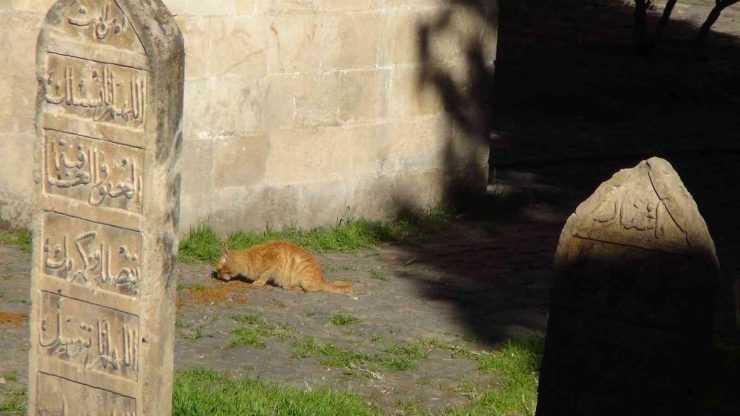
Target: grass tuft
x=14 y=404
x=11 y=376
x=516 y=364
x=374 y=274
x=343 y=319
x=205 y=392
x=203 y=244
x=254 y=327
x=396 y=357
x=23 y=239
x=360 y=234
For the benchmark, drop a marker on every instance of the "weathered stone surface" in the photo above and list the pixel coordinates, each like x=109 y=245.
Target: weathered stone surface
x=244 y=94
x=211 y=8
x=356 y=5
x=295 y=43
x=245 y=6
x=409 y=97
x=362 y=95
x=287 y=6
x=276 y=69
x=632 y=303
x=238 y=46
x=106 y=209
x=317 y=99
x=241 y=161
x=280 y=105
x=351 y=40
x=196 y=31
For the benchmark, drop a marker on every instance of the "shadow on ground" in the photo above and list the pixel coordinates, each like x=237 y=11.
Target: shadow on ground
x=570 y=104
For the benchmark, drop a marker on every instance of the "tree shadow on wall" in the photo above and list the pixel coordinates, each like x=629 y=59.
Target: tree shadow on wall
x=576 y=105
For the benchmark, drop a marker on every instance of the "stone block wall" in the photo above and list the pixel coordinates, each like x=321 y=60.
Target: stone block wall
x=294 y=109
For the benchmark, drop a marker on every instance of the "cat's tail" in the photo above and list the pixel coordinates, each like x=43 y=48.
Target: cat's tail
x=338 y=286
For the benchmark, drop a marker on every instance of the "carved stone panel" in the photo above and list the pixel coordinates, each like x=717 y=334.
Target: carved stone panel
x=99 y=23
x=95 y=91
x=97 y=256
x=60 y=397
x=96 y=172
x=88 y=336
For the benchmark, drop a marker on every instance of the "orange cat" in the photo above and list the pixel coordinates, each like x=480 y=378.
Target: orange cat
x=286 y=264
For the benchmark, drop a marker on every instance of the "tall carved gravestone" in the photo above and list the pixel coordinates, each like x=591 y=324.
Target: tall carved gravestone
x=631 y=308
x=109 y=111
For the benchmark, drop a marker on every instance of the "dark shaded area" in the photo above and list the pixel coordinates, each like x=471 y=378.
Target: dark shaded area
x=629 y=331
x=576 y=103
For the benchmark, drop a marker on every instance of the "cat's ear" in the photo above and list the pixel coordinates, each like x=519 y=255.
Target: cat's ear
x=224 y=252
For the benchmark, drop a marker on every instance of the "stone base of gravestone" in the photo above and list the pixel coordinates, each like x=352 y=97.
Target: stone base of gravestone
x=632 y=303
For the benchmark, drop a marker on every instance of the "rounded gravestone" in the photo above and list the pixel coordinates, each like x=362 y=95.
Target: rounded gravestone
x=632 y=303
x=106 y=209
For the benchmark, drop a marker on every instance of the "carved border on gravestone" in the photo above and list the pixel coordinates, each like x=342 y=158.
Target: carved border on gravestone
x=109 y=136
x=649 y=214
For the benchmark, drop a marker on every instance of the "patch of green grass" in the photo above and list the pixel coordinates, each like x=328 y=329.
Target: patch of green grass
x=254 y=328
x=402 y=357
x=343 y=319
x=14 y=404
x=431 y=216
x=197 y=334
x=11 y=376
x=306 y=347
x=311 y=314
x=251 y=319
x=181 y=324
x=374 y=274
x=2 y=293
x=410 y=408
x=376 y=338
x=23 y=239
x=205 y=392
x=351 y=236
x=473 y=339
x=468 y=388
x=331 y=269
x=396 y=357
x=244 y=337
x=516 y=364
x=202 y=244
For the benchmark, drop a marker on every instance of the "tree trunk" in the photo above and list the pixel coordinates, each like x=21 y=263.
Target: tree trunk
x=711 y=20
x=640 y=39
x=664 y=21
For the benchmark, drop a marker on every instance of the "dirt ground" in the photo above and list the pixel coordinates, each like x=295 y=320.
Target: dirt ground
x=577 y=106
